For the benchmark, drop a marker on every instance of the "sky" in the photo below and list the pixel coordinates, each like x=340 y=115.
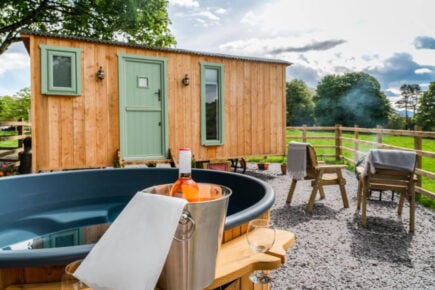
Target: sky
x=392 y=40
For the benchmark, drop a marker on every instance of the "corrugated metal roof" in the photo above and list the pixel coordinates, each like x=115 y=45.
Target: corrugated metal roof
x=134 y=45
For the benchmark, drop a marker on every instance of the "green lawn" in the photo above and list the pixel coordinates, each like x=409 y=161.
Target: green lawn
x=401 y=141
x=9 y=143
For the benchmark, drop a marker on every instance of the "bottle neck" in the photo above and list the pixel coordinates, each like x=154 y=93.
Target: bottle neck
x=185 y=175
x=185 y=164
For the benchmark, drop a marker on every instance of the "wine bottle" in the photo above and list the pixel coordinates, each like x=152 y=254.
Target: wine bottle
x=185 y=187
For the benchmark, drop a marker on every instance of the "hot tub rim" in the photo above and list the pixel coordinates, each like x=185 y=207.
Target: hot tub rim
x=64 y=255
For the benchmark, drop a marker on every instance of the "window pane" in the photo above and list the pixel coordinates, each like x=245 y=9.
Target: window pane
x=212 y=112
x=212 y=104
x=211 y=75
x=62 y=71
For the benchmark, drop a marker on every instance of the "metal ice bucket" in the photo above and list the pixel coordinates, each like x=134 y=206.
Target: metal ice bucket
x=191 y=261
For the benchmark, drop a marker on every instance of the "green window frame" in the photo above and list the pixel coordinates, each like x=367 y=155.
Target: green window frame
x=212 y=104
x=60 y=70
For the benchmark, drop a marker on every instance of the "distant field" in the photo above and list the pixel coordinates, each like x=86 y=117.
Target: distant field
x=401 y=141
x=9 y=143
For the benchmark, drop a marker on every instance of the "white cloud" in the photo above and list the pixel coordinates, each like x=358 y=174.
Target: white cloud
x=184 y=3
x=13 y=61
x=336 y=36
x=423 y=71
x=371 y=26
x=221 y=11
x=393 y=91
x=202 y=22
x=318 y=37
x=14 y=70
x=195 y=18
x=251 y=19
x=208 y=15
x=326 y=56
x=424 y=57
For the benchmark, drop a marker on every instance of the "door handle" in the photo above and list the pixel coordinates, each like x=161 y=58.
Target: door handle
x=158 y=95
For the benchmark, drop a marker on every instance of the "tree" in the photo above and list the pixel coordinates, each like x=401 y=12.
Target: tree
x=409 y=99
x=2 y=106
x=426 y=110
x=351 y=99
x=300 y=106
x=395 y=121
x=140 y=21
x=16 y=107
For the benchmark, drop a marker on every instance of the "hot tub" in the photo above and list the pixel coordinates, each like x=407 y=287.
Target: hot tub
x=39 y=204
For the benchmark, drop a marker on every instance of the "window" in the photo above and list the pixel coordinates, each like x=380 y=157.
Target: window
x=212 y=104
x=60 y=70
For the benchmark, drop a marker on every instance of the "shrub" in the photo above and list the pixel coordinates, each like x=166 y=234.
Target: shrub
x=6 y=170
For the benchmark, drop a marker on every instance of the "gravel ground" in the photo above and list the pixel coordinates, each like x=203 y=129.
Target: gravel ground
x=333 y=251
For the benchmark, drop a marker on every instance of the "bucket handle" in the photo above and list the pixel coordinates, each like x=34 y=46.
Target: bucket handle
x=186 y=218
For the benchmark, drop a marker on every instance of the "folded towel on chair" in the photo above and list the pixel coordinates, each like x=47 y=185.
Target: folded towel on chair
x=390 y=159
x=297 y=160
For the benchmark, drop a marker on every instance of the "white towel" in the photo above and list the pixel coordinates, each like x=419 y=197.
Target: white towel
x=132 y=252
x=390 y=159
x=297 y=160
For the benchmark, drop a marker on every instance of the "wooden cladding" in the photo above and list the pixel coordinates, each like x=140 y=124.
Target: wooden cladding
x=83 y=131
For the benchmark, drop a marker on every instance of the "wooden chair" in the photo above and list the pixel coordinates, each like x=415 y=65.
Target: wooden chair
x=238 y=163
x=399 y=181
x=321 y=175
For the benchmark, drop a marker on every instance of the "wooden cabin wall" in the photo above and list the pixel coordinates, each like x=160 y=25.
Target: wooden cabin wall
x=83 y=131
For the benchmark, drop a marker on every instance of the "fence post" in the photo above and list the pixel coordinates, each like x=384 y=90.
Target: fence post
x=304 y=133
x=20 y=130
x=337 y=142
x=356 y=144
x=418 y=147
x=379 y=136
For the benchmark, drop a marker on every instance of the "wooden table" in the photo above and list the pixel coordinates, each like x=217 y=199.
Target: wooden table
x=235 y=262
x=235 y=258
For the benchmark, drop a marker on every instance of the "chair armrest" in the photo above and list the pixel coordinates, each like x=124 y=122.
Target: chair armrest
x=359 y=170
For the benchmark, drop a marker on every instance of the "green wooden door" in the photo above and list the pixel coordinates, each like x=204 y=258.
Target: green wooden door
x=142 y=101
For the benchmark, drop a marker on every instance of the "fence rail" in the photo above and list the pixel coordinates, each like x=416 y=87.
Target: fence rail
x=337 y=139
x=9 y=154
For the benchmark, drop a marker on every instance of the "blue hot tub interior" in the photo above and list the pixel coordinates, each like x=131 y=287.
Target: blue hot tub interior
x=37 y=204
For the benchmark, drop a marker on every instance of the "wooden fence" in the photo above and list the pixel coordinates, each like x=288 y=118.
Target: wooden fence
x=10 y=154
x=379 y=132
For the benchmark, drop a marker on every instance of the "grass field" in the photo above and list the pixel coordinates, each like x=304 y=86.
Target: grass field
x=400 y=141
x=9 y=143
x=292 y=135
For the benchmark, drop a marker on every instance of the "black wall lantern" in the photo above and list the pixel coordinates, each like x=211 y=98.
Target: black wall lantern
x=185 y=80
x=100 y=73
